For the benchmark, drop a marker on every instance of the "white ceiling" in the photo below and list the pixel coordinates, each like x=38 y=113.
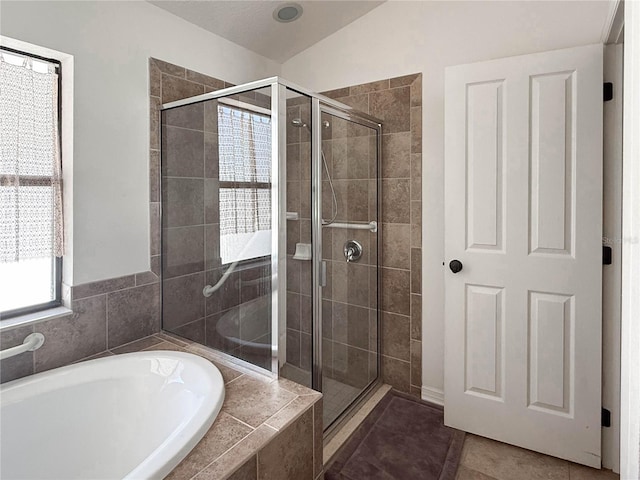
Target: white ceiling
x=251 y=23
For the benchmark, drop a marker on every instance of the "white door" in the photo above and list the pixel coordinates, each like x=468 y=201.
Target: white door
x=523 y=210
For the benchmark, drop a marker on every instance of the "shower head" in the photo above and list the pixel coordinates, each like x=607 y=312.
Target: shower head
x=297 y=122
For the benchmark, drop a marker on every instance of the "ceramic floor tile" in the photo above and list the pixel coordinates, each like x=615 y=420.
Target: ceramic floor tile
x=465 y=473
x=506 y=462
x=580 y=472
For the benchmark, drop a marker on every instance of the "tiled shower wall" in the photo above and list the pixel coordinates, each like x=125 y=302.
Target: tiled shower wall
x=398 y=103
x=299 y=306
x=351 y=295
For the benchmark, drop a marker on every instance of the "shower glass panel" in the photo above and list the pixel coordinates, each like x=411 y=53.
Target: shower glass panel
x=350 y=250
x=299 y=312
x=217 y=224
x=269 y=234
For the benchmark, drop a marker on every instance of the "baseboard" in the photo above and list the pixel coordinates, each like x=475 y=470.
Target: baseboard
x=433 y=395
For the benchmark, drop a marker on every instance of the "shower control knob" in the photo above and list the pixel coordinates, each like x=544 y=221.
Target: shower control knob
x=455 y=266
x=352 y=251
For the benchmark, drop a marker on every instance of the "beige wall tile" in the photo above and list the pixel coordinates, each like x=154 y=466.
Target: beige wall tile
x=103 y=286
x=396 y=160
x=317 y=438
x=396 y=373
x=392 y=106
x=287 y=415
x=73 y=337
x=132 y=313
x=369 y=87
x=402 y=81
x=395 y=333
x=416 y=317
x=174 y=88
x=225 y=432
x=396 y=201
x=206 y=80
x=395 y=291
x=289 y=456
x=396 y=241
x=170 y=68
x=416 y=363
x=242 y=452
x=253 y=405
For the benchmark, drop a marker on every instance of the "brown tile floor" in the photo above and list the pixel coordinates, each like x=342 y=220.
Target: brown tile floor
x=484 y=459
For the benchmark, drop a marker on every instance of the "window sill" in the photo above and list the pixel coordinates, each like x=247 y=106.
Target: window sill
x=32 y=318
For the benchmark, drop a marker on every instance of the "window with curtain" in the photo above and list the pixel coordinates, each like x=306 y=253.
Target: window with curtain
x=244 y=147
x=31 y=238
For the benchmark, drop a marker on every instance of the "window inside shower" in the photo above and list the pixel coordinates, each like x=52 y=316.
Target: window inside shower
x=244 y=151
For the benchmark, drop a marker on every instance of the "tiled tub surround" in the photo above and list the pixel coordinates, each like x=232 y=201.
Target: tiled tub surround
x=106 y=315
x=398 y=103
x=267 y=428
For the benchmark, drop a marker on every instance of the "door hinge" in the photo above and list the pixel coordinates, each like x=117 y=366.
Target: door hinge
x=607 y=91
x=606 y=255
x=606 y=418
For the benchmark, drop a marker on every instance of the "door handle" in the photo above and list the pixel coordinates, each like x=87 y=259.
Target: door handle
x=323 y=273
x=455 y=266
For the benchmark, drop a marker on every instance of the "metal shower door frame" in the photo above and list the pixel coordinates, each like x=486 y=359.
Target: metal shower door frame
x=319 y=104
x=318 y=107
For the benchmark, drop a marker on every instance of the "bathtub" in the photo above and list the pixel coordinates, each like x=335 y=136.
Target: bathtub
x=132 y=416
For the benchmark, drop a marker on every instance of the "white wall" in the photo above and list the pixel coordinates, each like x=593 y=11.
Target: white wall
x=111 y=43
x=400 y=38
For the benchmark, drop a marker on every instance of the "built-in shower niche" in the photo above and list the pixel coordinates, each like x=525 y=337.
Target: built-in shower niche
x=216 y=224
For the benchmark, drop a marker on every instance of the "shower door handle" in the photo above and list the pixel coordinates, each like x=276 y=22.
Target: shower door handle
x=323 y=273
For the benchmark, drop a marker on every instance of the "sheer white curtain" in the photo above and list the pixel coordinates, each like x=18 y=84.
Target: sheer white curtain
x=30 y=170
x=244 y=146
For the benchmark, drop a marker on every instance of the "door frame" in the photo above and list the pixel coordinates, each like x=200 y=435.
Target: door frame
x=630 y=319
x=611 y=274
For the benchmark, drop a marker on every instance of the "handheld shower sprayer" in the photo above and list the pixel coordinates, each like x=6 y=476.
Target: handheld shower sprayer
x=299 y=123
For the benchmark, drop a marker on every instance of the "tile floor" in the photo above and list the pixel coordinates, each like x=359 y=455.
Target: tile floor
x=337 y=396
x=484 y=459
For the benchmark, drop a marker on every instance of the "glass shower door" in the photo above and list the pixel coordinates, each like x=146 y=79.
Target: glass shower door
x=349 y=157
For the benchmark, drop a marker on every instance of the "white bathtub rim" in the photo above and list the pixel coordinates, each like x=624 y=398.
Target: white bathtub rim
x=161 y=461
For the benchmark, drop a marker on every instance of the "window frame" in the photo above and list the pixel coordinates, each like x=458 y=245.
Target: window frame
x=56 y=261
x=234 y=185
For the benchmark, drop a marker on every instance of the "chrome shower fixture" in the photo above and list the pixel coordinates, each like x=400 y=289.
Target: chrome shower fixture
x=297 y=122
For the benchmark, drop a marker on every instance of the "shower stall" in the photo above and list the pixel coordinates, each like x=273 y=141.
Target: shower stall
x=270 y=210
